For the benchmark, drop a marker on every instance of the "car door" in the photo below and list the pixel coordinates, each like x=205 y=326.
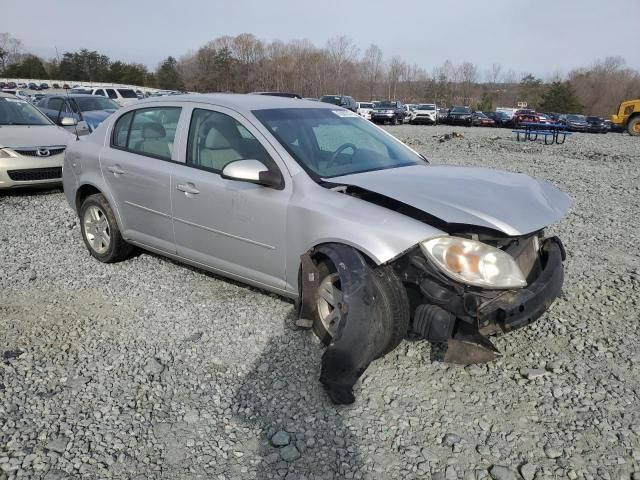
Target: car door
x=137 y=165
x=238 y=228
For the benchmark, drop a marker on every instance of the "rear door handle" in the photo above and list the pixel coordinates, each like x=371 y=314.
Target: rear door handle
x=188 y=188
x=116 y=170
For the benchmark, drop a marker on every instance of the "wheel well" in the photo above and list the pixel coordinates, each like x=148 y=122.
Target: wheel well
x=83 y=192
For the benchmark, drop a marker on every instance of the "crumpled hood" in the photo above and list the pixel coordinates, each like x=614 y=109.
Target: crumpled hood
x=25 y=136
x=513 y=203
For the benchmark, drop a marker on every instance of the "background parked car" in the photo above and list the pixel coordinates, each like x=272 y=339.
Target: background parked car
x=575 y=123
x=31 y=146
x=364 y=109
x=389 y=111
x=44 y=86
x=425 y=113
x=460 y=116
x=341 y=100
x=501 y=119
x=479 y=119
x=34 y=86
x=597 y=125
x=88 y=110
x=554 y=117
x=122 y=96
x=525 y=115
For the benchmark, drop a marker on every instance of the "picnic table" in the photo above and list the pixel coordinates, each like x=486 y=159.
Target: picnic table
x=552 y=132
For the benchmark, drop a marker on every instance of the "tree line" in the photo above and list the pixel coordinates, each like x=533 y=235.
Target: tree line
x=244 y=63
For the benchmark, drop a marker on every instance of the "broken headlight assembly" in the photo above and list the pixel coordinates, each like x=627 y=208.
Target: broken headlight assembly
x=473 y=263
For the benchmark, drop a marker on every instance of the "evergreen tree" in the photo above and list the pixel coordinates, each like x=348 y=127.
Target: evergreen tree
x=167 y=75
x=560 y=97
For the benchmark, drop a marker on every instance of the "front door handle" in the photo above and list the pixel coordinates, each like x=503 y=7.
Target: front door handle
x=188 y=188
x=116 y=170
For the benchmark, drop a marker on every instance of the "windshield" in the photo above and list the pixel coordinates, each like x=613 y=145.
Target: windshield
x=14 y=111
x=85 y=91
x=331 y=99
x=127 y=93
x=87 y=104
x=594 y=119
x=329 y=143
x=426 y=106
x=366 y=105
x=576 y=118
x=386 y=105
x=461 y=110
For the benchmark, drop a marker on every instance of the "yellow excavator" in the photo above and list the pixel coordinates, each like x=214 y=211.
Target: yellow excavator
x=628 y=117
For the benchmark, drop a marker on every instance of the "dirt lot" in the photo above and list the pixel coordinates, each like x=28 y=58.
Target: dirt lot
x=150 y=369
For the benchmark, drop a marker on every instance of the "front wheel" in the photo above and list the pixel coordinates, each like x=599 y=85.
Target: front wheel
x=634 y=126
x=100 y=230
x=391 y=308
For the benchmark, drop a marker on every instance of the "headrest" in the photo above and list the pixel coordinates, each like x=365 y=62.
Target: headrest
x=152 y=131
x=215 y=140
x=288 y=132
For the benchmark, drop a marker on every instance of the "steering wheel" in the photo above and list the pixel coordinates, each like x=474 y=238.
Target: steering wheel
x=340 y=149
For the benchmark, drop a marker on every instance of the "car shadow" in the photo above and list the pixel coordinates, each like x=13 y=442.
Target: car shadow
x=299 y=433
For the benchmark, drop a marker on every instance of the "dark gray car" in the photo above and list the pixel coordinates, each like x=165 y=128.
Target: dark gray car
x=313 y=202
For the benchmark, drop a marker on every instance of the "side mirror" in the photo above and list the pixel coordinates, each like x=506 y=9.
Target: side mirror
x=68 y=122
x=252 y=171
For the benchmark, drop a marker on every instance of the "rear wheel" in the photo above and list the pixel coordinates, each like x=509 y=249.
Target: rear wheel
x=391 y=305
x=633 y=127
x=100 y=230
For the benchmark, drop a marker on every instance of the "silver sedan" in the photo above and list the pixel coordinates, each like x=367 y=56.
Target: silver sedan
x=315 y=203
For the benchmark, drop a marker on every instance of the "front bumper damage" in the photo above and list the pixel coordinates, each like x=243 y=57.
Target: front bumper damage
x=462 y=315
x=443 y=309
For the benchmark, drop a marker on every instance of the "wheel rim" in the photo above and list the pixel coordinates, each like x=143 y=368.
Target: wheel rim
x=329 y=303
x=96 y=229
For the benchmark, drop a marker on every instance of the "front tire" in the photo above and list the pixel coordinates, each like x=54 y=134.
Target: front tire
x=100 y=230
x=391 y=305
x=633 y=126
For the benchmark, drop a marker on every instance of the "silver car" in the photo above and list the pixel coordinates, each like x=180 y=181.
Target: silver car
x=315 y=203
x=31 y=146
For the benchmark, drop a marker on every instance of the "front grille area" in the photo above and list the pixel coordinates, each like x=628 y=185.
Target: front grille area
x=32 y=174
x=30 y=152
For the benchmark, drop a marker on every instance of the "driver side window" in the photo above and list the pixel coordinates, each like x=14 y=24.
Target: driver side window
x=216 y=139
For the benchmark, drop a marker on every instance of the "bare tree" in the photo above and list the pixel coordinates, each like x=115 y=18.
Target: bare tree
x=10 y=50
x=372 y=68
x=468 y=78
x=397 y=68
x=493 y=73
x=340 y=50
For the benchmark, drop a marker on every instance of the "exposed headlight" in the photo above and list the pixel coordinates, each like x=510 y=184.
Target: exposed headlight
x=6 y=153
x=474 y=263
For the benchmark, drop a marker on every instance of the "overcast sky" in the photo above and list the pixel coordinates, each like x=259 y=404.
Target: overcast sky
x=539 y=36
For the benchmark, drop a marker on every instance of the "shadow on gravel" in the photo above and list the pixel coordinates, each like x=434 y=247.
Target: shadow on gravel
x=301 y=434
x=29 y=191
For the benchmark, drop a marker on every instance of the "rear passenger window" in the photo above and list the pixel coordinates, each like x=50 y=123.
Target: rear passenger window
x=148 y=131
x=121 y=131
x=216 y=139
x=112 y=93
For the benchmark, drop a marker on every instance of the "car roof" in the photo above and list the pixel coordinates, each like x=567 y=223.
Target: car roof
x=240 y=101
x=7 y=95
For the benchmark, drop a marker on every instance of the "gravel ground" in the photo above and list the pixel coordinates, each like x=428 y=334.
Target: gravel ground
x=150 y=369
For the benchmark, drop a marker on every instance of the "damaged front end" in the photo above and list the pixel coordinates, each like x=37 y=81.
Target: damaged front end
x=446 y=310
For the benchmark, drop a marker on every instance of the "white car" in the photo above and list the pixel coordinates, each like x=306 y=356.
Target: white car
x=364 y=109
x=122 y=96
x=426 y=113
